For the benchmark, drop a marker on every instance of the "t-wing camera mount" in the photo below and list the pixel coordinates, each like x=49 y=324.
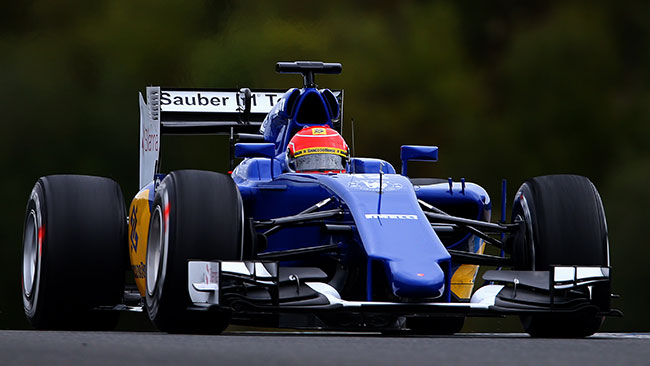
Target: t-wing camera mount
x=308 y=69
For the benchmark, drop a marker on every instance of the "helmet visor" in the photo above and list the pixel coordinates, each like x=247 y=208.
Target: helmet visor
x=319 y=162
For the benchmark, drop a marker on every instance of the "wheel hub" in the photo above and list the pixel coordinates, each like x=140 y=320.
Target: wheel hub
x=30 y=253
x=154 y=250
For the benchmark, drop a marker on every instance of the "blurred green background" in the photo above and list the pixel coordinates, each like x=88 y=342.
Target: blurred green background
x=507 y=89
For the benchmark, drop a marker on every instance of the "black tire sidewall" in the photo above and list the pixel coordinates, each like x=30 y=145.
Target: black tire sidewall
x=562 y=235
x=566 y=226
x=32 y=301
x=205 y=222
x=154 y=296
x=81 y=261
x=523 y=252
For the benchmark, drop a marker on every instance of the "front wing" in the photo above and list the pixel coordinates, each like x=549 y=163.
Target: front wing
x=251 y=289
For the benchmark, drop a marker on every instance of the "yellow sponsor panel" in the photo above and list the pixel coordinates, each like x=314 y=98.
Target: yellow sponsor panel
x=462 y=282
x=139 y=217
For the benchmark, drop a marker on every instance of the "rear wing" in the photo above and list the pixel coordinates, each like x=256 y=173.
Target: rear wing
x=233 y=112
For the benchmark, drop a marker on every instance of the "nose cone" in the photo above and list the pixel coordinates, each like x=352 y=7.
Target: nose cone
x=421 y=280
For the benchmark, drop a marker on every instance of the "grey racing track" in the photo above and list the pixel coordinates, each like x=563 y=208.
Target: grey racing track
x=312 y=348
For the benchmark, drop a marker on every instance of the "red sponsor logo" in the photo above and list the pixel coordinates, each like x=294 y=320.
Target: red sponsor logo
x=149 y=141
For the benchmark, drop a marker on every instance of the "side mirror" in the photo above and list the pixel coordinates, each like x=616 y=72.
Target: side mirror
x=417 y=153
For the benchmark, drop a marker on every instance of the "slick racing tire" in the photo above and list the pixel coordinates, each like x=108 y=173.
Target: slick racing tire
x=564 y=225
x=74 y=251
x=435 y=325
x=196 y=215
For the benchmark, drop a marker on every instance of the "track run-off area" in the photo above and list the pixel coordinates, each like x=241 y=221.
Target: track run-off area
x=19 y=347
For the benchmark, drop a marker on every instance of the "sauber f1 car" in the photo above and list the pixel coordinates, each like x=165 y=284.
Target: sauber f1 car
x=304 y=235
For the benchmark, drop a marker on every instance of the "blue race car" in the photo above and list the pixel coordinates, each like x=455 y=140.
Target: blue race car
x=303 y=234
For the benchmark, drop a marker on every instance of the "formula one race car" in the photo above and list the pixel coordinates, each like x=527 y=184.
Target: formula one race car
x=302 y=235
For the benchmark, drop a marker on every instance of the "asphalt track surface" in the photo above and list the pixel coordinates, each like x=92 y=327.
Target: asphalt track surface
x=312 y=348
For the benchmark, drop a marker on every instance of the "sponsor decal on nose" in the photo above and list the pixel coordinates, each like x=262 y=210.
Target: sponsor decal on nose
x=392 y=216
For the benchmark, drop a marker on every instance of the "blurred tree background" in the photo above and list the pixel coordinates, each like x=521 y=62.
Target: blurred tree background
x=506 y=89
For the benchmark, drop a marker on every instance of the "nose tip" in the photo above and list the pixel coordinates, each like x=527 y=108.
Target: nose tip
x=416 y=280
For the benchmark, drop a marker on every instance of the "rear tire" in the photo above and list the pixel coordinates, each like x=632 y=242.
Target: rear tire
x=74 y=245
x=564 y=225
x=196 y=215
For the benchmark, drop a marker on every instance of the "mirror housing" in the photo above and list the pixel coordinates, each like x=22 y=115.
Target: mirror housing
x=417 y=153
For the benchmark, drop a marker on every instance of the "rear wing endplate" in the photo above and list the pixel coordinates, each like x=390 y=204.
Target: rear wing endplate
x=197 y=111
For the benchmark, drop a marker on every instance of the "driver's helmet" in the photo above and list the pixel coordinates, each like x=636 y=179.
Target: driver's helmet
x=317 y=150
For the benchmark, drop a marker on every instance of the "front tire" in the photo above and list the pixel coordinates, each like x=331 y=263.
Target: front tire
x=564 y=224
x=196 y=215
x=74 y=247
